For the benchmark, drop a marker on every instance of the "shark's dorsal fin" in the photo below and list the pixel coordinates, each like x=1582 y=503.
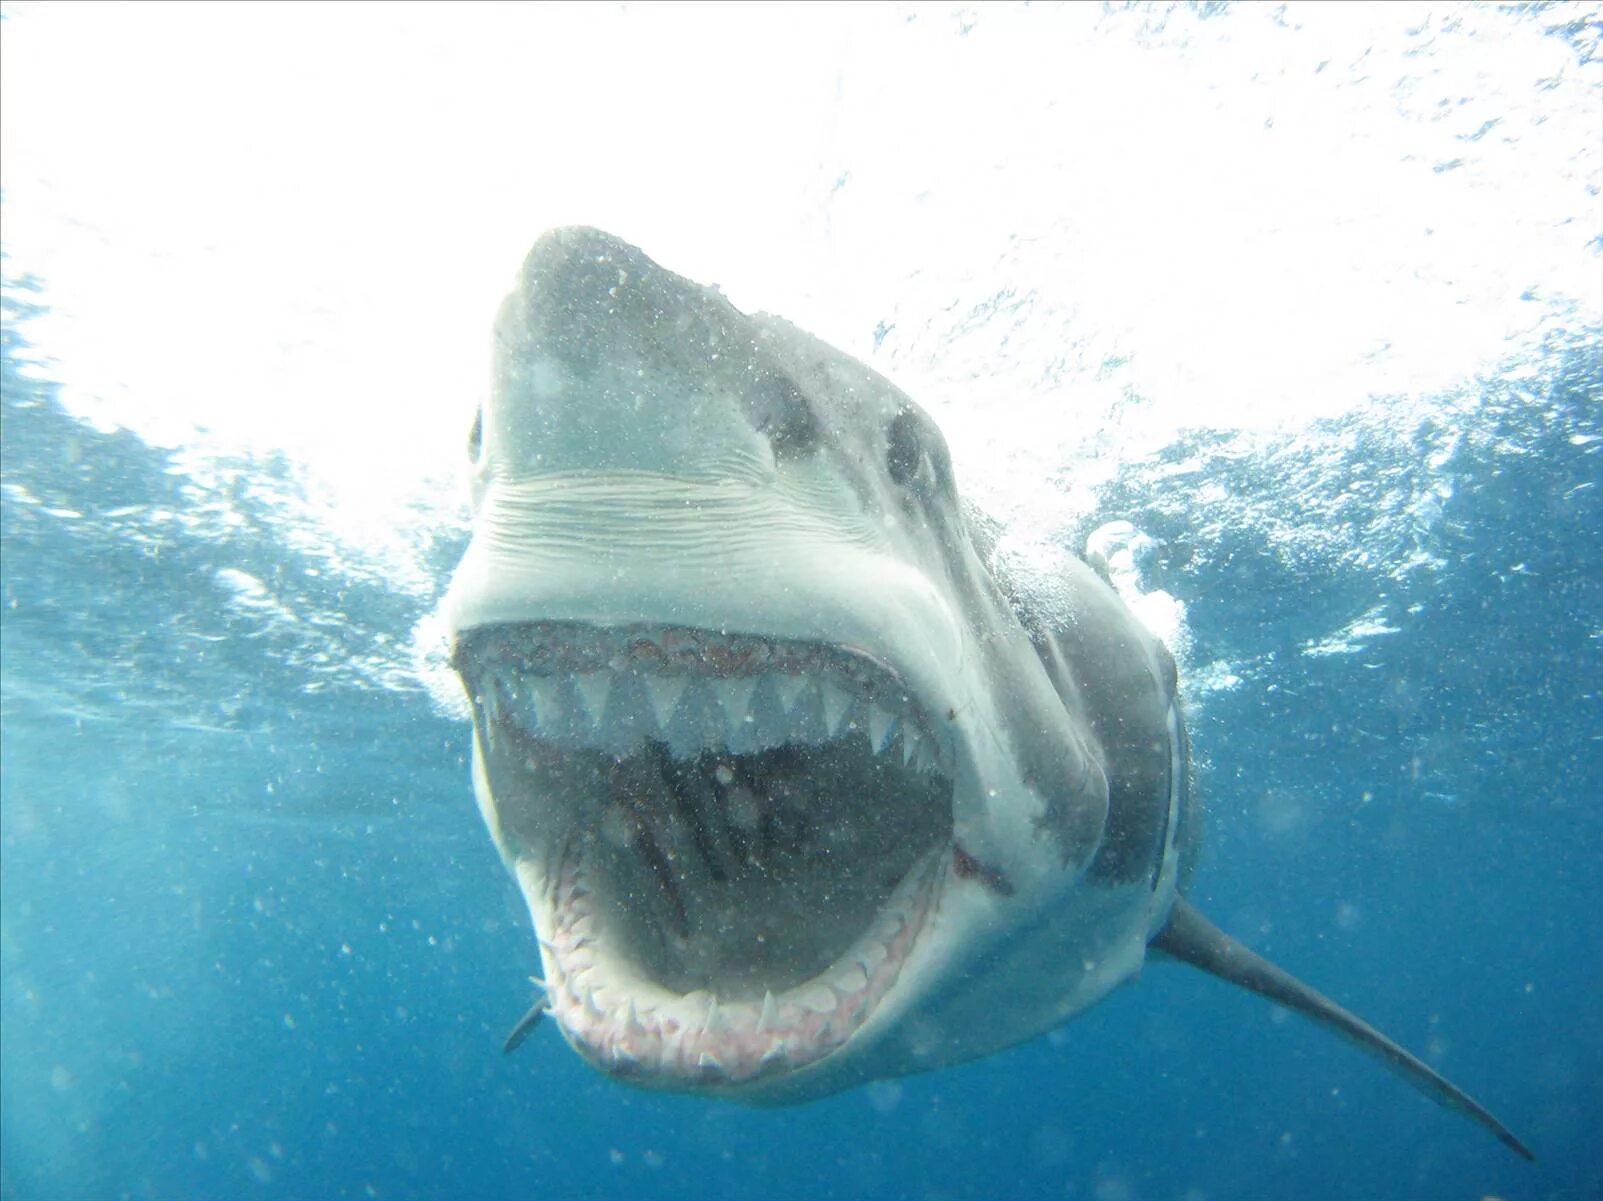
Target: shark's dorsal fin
x=1190 y=937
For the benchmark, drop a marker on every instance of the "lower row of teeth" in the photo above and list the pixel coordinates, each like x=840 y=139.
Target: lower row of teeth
x=631 y=1027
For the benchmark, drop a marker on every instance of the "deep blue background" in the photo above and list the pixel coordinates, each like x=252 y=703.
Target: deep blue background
x=256 y=943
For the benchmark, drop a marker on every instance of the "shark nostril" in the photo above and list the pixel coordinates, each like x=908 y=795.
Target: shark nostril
x=780 y=410
x=902 y=450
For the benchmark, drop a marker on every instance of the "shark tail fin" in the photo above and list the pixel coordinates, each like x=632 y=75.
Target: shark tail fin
x=1192 y=938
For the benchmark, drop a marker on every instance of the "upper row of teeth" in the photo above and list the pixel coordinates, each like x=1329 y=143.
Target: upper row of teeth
x=617 y=711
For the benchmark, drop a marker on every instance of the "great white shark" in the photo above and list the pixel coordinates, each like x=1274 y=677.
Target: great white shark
x=799 y=793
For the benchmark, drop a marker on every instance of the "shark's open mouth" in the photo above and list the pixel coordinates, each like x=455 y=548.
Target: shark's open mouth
x=730 y=844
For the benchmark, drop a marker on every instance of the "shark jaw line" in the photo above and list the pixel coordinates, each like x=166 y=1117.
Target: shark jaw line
x=729 y=844
x=633 y=1028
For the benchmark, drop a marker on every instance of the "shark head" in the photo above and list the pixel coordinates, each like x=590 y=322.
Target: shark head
x=794 y=797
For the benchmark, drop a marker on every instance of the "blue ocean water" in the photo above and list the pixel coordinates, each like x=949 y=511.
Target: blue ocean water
x=255 y=943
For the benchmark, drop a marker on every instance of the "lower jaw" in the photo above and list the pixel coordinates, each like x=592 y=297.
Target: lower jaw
x=633 y=1028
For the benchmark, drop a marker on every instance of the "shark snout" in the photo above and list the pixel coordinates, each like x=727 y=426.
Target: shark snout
x=606 y=362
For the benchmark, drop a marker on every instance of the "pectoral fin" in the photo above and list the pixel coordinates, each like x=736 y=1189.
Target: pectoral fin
x=1193 y=938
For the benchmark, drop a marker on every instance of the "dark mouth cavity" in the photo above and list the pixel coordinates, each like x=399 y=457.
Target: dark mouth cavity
x=742 y=808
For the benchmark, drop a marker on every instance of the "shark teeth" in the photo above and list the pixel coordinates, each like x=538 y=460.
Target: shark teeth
x=836 y=703
x=882 y=728
x=768 y=1016
x=755 y=697
x=665 y=692
x=633 y=1027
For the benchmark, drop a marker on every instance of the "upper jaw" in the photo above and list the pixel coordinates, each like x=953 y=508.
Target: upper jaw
x=730 y=845
x=578 y=686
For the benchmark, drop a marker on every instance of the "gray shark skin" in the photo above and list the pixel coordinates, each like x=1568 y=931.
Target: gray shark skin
x=798 y=795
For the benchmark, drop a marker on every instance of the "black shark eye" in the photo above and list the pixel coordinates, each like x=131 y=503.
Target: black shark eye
x=902 y=449
x=476 y=436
